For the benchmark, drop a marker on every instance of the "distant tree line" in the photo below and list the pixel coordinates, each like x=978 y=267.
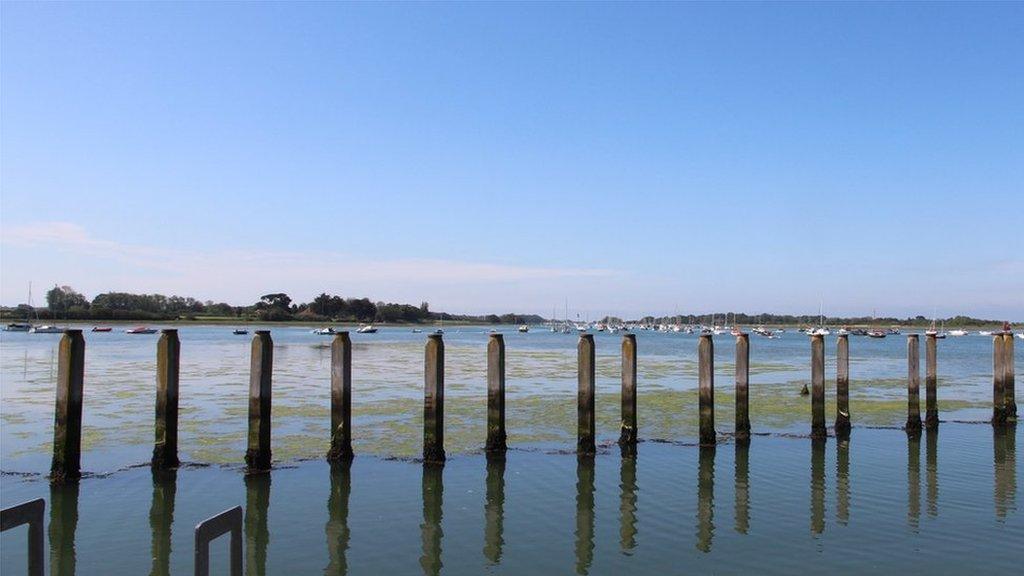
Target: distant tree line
x=65 y=303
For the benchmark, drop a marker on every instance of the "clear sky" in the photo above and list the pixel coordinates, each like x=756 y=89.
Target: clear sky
x=496 y=157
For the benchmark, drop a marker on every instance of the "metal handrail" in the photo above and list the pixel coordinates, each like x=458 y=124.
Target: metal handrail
x=30 y=513
x=213 y=527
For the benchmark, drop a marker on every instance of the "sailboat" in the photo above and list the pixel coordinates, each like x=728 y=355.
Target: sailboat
x=25 y=326
x=820 y=330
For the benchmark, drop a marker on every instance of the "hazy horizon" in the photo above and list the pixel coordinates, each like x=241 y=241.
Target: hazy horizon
x=488 y=158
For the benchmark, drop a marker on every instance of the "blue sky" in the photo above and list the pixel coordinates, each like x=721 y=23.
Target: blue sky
x=629 y=158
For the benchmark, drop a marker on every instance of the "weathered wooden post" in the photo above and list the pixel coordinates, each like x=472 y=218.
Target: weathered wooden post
x=628 y=436
x=931 y=382
x=433 y=401
x=842 y=425
x=586 y=376
x=261 y=367
x=743 y=387
x=67 y=422
x=913 y=385
x=818 y=429
x=341 y=398
x=998 y=383
x=496 y=438
x=168 y=354
x=706 y=391
x=1009 y=377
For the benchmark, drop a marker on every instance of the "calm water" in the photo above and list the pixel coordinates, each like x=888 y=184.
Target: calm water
x=945 y=503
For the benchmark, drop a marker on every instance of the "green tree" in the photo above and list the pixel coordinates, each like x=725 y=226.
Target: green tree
x=60 y=298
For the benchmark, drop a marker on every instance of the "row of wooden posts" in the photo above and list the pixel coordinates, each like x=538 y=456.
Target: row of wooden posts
x=71 y=367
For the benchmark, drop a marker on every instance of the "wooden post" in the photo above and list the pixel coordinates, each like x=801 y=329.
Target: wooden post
x=931 y=382
x=261 y=367
x=433 y=401
x=341 y=398
x=1009 y=377
x=586 y=376
x=628 y=435
x=818 y=429
x=998 y=385
x=913 y=385
x=67 y=422
x=842 y=425
x=743 y=387
x=497 y=439
x=706 y=392
x=168 y=354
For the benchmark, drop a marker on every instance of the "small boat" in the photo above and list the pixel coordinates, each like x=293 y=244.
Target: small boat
x=439 y=331
x=843 y=332
x=239 y=331
x=417 y=330
x=736 y=331
x=46 y=329
x=366 y=329
x=329 y=331
x=819 y=332
x=894 y=331
x=18 y=327
x=140 y=330
x=1020 y=335
x=984 y=332
x=101 y=329
x=958 y=332
x=524 y=328
x=879 y=333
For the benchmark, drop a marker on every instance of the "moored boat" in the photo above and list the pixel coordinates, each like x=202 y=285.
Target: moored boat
x=878 y=333
x=367 y=329
x=18 y=327
x=101 y=329
x=46 y=329
x=239 y=331
x=524 y=328
x=958 y=332
x=140 y=330
x=328 y=331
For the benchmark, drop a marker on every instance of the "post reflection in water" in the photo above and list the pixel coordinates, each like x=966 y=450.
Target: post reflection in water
x=1004 y=452
x=742 y=486
x=161 y=518
x=337 y=517
x=843 y=479
x=494 y=508
x=817 y=485
x=932 y=470
x=914 y=480
x=706 y=498
x=257 y=535
x=627 y=504
x=63 y=524
x=584 y=513
x=430 y=529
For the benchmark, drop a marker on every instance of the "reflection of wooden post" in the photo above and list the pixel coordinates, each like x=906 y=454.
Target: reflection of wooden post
x=161 y=518
x=817 y=485
x=931 y=395
x=261 y=367
x=494 y=509
x=913 y=384
x=63 y=526
x=1009 y=377
x=433 y=401
x=341 y=398
x=842 y=425
x=496 y=437
x=584 y=512
x=168 y=354
x=818 y=387
x=914 y=480
x=257 y=532
x=627 y=504
x=843 y=480
x=431 y=532
x=705 y=497
x=67 y=422
x=743 y=387
x=336 y=529
x=742 y=487
x=998 y=384
x=585 y=395
x=628 y=435
x=706 y=392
